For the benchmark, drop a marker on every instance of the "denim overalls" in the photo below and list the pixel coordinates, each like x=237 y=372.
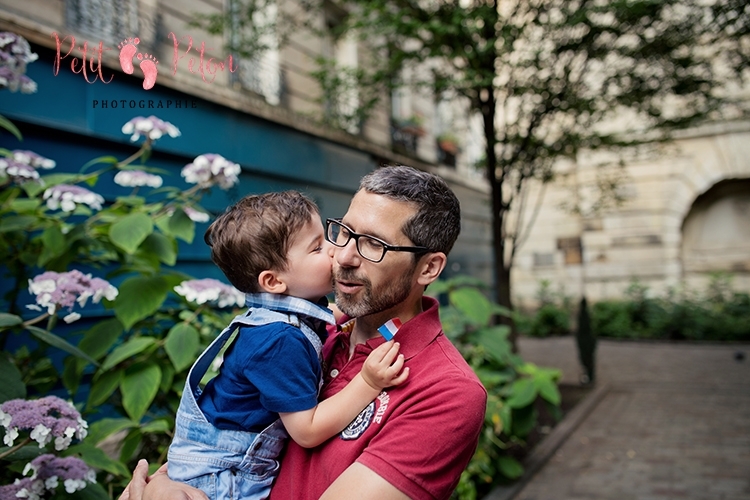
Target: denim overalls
x=228 y=464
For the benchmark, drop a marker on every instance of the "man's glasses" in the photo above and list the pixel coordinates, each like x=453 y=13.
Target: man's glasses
x=369 y=247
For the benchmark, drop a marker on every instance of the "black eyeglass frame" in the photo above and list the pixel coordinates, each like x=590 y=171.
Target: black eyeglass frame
x=356 y=236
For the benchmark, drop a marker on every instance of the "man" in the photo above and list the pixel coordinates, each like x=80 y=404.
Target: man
x=414 y=440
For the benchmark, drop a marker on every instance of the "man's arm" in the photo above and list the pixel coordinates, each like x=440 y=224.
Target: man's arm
x=158 y=486
x=362 y=483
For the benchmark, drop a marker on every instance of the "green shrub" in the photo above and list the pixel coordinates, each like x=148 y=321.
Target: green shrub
x=513 y=386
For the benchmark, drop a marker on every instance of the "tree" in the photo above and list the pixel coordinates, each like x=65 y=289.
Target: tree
x=554 y=78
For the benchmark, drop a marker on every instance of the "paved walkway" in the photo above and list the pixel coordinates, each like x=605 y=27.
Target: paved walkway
x=673 y=422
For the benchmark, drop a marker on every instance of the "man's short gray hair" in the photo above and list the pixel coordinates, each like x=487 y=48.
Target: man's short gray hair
x=438 y=219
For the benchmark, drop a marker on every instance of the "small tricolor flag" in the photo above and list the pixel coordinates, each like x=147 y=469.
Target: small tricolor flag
x=389 y=329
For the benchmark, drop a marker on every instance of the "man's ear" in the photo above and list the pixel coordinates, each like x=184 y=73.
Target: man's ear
x=431 y=267
x=269 y=282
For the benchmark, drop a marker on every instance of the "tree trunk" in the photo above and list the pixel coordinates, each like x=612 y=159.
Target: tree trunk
x=501 y=270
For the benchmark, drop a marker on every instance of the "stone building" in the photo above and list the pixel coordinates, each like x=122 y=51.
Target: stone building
x=685 y=216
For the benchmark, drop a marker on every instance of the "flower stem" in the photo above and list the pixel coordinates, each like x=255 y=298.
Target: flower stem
x=15 y=448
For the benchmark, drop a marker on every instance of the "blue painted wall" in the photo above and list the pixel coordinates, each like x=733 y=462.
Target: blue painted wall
x=61 y=122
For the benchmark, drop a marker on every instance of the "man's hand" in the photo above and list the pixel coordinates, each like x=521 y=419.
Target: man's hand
x=158 y=486
x=383 y=367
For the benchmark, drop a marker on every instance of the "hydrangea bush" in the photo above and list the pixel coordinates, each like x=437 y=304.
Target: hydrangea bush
x=131 y=324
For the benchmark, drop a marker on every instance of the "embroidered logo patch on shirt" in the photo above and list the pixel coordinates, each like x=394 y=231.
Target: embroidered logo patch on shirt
x=360 y=424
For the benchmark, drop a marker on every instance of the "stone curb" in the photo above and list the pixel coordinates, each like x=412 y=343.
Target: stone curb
x=544 y=451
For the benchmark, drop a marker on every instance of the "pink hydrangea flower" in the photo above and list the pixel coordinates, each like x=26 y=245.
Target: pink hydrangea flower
x=152 y=127
x=46 y=418
x=54 y=290
x=210 y=169
x=137 y=178
x=67 y=197
x=210 y=290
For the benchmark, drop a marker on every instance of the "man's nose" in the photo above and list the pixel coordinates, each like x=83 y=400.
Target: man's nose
x=348 y=255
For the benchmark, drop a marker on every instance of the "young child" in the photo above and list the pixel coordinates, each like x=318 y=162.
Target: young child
x=228 y=436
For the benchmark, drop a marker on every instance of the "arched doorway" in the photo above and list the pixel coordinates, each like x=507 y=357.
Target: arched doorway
x=716 y=231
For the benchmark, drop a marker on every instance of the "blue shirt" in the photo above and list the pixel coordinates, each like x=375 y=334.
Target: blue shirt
x=268 y=369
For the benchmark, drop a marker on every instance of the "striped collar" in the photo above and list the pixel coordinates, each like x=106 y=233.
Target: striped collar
x=293 y=305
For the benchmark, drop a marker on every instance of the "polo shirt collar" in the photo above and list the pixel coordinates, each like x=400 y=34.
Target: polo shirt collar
x=415 y=334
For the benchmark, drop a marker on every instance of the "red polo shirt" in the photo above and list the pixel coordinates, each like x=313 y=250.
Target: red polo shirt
x=418 y=436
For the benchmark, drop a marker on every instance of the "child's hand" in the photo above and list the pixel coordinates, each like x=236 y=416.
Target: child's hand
x=383 y=367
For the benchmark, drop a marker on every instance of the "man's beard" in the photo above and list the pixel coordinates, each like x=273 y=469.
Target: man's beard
x=370 y=301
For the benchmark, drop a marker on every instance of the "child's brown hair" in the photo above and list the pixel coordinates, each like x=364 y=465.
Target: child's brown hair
x=255 y=234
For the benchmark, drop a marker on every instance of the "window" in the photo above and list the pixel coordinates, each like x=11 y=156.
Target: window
x=106 y=20
x=342 y=102
x=261 y=72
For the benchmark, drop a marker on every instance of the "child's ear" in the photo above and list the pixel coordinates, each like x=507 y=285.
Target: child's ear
x=269 y=282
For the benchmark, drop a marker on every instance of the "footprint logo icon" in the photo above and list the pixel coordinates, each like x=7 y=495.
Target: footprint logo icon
x=128 y=48
x=148 y=66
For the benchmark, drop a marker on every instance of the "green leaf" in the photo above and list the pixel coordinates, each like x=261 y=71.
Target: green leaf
x=523 y=393
x=8 y=125
x=105 y=427
x=103 y=387
x=139 y=297
x=101 y=337
x=161 y=246
x=60 y=343
x=17 y=223
x=7 y=320
x=54 y=245
x=473 y=304
x=138 y=388
x=25 y=205
x=510 y=467
x=548 y=389
x=12 y=386
x=495 y=342
x=181 y=344
x=182 y=226
x=55 y=179
x=92 y=491
x=110 y=160
x=126 y=350
x=96 y=458
x=72 y=371
x=130 y=231
x=156 y=426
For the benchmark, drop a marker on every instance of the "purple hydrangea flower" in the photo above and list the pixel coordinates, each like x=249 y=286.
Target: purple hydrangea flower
x=18 y=171
x=15 y=54
x=209 y=169
x=137 y=178
x=33 y=159
x=152 y=127
x=67 y=197
x=48 y=471
x=47 y=418
x=57 y=290
x=210 y=290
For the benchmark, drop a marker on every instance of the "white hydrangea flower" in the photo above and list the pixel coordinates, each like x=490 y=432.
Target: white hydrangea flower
x=51 y=483
x=10 y=436
x=5 y=419
x=196 y=215
x=151 y=127
x=73 y=485
x=210 y=290
x=68 y=197
x=41 y=434
x=70 y=318
x=30 y=467
x=211 y=169
x=137 y=178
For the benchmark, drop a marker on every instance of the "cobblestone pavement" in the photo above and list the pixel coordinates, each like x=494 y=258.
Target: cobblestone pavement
x=674 y=424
